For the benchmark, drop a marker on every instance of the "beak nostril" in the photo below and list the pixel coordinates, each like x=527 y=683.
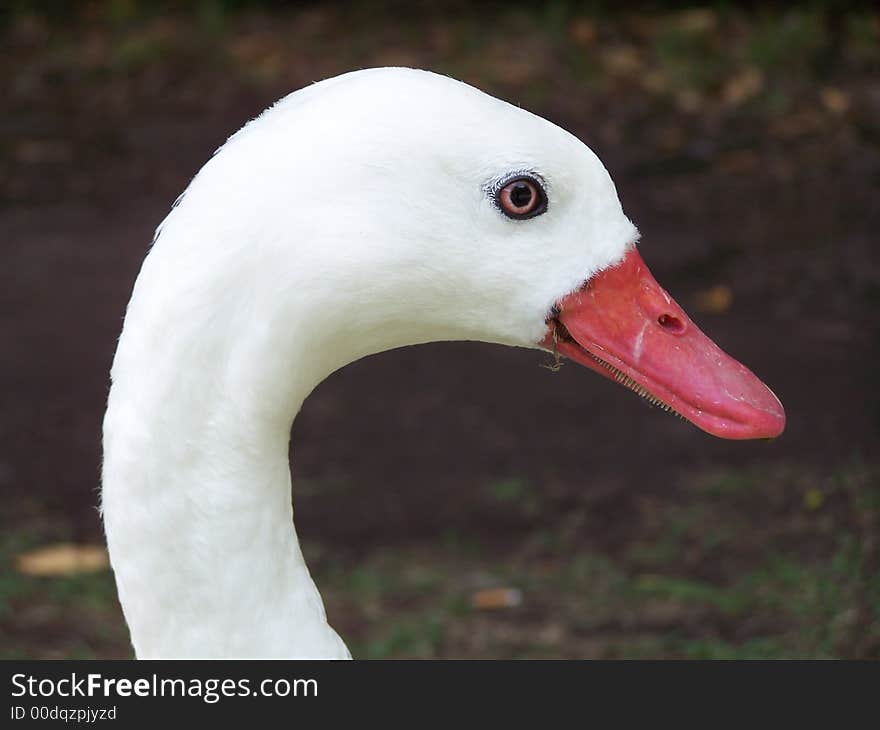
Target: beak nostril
x=671 y=323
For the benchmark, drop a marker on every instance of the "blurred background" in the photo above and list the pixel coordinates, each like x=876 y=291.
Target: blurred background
x=458 y=500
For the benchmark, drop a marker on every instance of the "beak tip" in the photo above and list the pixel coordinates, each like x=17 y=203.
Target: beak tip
x=767 y=423
x=780 y=425
x=776 y=420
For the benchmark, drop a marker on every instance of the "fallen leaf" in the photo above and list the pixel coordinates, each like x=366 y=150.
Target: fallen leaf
x=835 y=100
x=742 y=86
x=655 y=80
x=582 y=31
x=716 y=300
x=698 y=20
x=63 y=559
x=622 y=60
x=492 y=599
x=689 y=100
x=552 y=633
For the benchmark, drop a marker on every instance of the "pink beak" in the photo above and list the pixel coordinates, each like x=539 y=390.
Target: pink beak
x=623 y=325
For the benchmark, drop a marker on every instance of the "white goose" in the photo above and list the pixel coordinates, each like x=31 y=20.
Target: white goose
x=377 y=209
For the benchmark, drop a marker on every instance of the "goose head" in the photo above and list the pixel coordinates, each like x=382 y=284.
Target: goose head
x=391 y=207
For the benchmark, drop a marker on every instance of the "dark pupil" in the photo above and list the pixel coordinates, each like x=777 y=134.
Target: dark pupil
x=521 y=195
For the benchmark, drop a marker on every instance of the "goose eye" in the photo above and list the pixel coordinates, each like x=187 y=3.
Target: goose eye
x=522 y=198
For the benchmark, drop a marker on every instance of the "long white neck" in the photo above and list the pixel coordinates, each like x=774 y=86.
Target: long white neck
x=196 y=484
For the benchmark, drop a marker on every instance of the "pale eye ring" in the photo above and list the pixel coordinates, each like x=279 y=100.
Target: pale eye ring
x=522 y=197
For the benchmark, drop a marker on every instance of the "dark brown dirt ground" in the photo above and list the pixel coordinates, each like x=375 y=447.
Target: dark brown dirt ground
x=394 y=453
